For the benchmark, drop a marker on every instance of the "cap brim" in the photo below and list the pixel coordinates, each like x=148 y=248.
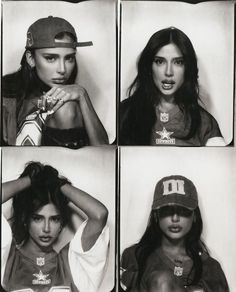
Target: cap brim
x=175 y=199
x=84 y=44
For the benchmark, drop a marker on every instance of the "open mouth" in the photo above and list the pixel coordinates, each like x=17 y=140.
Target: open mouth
x=168 y=84
x=45 y=238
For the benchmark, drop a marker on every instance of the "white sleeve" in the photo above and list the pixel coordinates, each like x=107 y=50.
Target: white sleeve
x=87 y=268
x=5 y=244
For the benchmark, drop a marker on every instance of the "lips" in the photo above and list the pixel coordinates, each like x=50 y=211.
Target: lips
x=175 y=228
x=168 y=84
x=59 y=81
x=45 y=238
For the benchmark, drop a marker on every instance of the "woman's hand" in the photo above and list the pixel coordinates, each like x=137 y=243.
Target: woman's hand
x=58 y=96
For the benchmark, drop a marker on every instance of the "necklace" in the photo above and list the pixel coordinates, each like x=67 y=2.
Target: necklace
x=178 y=264
x=163 y=116
x=178 y=269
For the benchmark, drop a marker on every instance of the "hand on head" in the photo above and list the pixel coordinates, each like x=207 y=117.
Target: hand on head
x=44 y=175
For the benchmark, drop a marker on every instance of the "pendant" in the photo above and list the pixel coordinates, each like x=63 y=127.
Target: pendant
x=178 y=271
x=164 y=117
x=40 y=261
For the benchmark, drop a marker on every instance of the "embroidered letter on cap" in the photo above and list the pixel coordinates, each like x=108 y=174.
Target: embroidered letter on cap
x=173 y=186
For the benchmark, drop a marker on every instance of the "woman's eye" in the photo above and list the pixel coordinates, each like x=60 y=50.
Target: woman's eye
x=159 y=61
x=50 y=59
x=56 y=219
x=71 y=59
x=179 y=62
x=36 y=219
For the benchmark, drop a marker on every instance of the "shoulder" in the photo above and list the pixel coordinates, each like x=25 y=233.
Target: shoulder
x=206 y=116
x=209 y=126
x=11 y=85
x=129 y=251
x=126 y=104
x=211 y=264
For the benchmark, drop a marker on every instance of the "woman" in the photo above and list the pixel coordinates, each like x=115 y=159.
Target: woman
x=171 y=255
x=163 y=105
x=40 y=213
x=43 y=93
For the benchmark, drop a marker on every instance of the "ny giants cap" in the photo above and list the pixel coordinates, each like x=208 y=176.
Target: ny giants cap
x=42 y=33
x=175 y=190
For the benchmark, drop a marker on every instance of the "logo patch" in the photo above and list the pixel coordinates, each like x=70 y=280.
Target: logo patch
x=40 y=261
x=41 y=279
x=164 y=117
x=173 y=186
x=165 y=137
x=178 y=271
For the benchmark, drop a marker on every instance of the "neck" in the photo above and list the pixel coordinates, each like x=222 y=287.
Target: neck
x=173 y=247
x=32 y=247
x=166 y=104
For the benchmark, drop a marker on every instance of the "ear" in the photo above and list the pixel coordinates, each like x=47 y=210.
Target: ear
x=30 y=59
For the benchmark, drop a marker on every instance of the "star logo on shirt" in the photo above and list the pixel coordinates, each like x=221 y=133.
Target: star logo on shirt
x=165 y=137
x=41 y=279
x=40 y=276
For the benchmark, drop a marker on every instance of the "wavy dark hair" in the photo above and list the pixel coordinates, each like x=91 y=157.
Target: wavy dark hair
x=24 y=82
x=144 y=95
x=28 y=201
x=151 y=240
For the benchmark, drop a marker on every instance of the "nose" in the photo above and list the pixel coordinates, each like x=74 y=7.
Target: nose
x=61 y=69
x=175 y=217
x=169 y=69
x=46 y=226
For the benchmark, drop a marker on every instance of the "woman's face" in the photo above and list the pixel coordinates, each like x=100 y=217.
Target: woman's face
x=168 y=69
x=44 y=226
x=175 y=221
x=54 y=65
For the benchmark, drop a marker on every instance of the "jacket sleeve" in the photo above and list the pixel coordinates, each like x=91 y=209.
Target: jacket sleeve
x=9 y=123
x=128 y=269
x=213 y=278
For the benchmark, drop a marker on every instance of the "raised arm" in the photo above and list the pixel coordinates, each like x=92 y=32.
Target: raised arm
x=11 y=188
x=95 y=211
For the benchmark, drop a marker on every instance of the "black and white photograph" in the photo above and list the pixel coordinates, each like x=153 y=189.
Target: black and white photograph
x=88 y=89
x=177 y=73
x=58 y=225
x=59 y=74
x=177 y=219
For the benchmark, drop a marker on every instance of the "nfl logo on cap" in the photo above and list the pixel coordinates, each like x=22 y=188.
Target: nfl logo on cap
x=175 y=190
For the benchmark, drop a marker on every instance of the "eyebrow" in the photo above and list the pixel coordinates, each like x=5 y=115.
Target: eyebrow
x=41 y=216
x=176 y=58
x=57 y=55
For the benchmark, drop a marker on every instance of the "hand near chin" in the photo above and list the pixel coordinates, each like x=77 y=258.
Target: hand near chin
x=58 y=96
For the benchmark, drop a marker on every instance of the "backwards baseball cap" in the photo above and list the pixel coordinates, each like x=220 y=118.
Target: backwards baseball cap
x=42 y=34
x=175 y=190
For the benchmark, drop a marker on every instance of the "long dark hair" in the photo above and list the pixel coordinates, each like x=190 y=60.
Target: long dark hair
x=152 y=238
x=28 y=201
x=24 y=82
x=145 y=95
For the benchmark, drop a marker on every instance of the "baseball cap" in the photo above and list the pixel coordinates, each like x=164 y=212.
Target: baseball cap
x=42 y=33
x=175 y=190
